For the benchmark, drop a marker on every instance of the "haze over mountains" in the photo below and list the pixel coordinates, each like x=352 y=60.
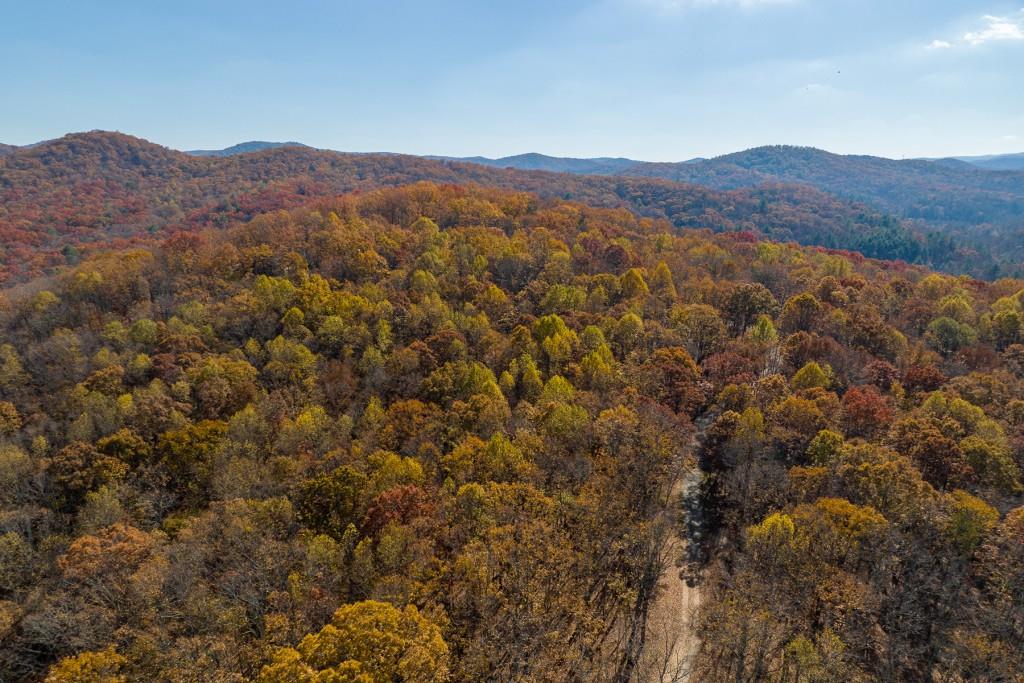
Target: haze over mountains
x=242 y=148
x=534 y=161
x=93 y=190
x=997 y=162
x=956 y=191
x=541 y=162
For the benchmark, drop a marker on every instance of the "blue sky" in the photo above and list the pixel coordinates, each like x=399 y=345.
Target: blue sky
x=649 y=79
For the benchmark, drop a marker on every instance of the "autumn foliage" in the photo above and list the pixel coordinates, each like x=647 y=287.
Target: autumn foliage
x=433 y=433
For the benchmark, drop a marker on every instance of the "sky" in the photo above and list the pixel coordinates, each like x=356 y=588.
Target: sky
x=660 y=80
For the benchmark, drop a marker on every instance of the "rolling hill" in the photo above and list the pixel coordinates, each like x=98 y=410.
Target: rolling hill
x=965 y=218
x=915 y=189
x=997 y=162
x=978 y=201
x=980 y=208
x=95 y=190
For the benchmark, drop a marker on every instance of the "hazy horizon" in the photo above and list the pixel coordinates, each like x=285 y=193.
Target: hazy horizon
x=495 y=157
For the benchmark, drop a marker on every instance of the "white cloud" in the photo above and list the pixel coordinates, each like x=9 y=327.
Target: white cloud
x=993 y=28
x=997 y=28
x=1011 y=138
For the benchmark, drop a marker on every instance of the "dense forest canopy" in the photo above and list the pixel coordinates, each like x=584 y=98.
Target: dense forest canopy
x=92 y=191
x=977 y=207
x=430 y=433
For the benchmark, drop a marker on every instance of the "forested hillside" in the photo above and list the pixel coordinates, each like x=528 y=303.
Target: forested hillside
x=981 y=207
x=958 y=198
x=85 y=192
x=428 y=434
x=947 y=214
x=997 y=162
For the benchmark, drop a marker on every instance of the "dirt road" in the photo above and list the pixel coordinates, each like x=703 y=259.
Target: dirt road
x=672 y=642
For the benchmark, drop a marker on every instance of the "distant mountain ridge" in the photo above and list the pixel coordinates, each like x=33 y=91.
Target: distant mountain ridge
x=985 y=193
x=997 y=162
x=243 y=148
x=952 y=197
x=532 y=161
x=100 y=189
x=535 y=161
x=88 y=191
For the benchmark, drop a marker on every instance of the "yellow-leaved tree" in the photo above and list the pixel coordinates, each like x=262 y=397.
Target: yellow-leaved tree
x=366 y=642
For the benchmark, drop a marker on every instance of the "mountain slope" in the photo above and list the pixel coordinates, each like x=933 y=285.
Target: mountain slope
x=981 y=207
x=242 y=148
x=953 y=162
x=997 y=162
x=7 y=149
x=964 y=197
x=94 y=190
x=904 y=186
